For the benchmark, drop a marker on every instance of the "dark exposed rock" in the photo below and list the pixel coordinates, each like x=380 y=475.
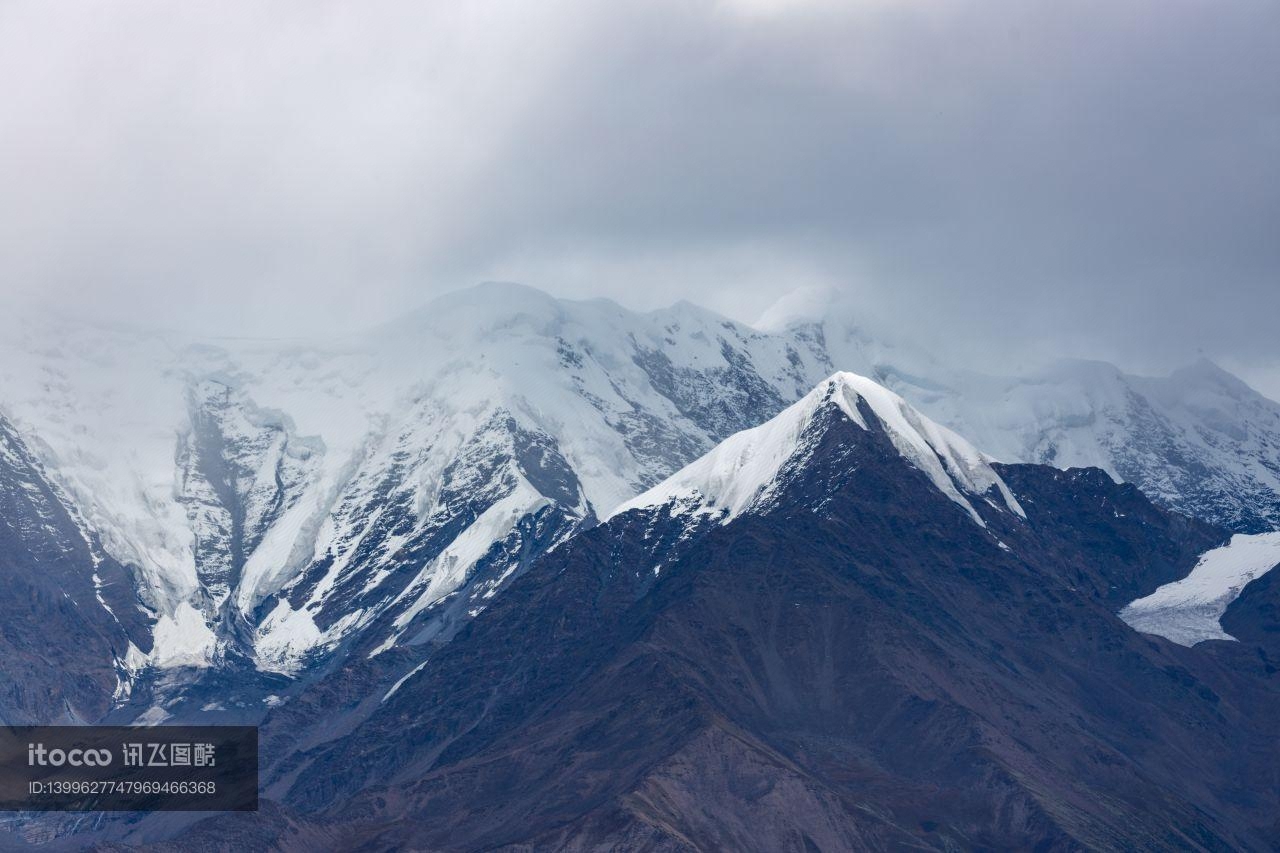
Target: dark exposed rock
x=861 y=667
x=70 y=611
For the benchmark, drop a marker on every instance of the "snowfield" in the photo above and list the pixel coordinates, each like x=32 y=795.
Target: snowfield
x=1187 y=611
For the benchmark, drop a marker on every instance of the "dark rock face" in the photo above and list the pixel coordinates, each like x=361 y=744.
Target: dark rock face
x=1086 y=518
x=69 y=611
x=862 y=666
x=1254 y=620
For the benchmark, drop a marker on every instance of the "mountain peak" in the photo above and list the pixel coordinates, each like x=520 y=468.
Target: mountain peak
x=742 y=472
x=802 y=305
x=474 y=310
x=1207 y=373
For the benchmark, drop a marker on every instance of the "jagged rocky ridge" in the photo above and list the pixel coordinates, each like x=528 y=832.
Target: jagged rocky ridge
x=70 y=615
x=282 y=505
x=854 y=649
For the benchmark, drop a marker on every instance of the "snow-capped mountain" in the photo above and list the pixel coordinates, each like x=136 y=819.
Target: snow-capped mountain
x=745 y=471
x=845 y=628
x=277 y=498
x=1199 y=441
x=280 y=501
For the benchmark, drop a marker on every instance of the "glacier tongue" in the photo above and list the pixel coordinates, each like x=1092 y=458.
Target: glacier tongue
x=1188 y=611
x=741 y=473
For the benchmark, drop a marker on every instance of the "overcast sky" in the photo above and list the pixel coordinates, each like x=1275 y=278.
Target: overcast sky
x=1001 y=177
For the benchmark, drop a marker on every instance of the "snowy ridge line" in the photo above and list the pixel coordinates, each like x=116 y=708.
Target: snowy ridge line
x=1189 y=611
x=241 y=471
x=741 y=473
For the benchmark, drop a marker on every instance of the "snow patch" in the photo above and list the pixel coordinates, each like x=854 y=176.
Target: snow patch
x=153 y=716
x=183 y=638
x=1188 y=611
x=448 y=571
x=127 y=669
x=410 y=674
x=284 y=639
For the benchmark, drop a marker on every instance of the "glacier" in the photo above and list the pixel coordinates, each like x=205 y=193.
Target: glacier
x=1188 y=611
x=284 y=499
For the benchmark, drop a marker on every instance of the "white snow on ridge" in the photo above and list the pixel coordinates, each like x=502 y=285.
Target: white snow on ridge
x=1188 y=611
x=622 y=398
x=741 y=472
x=1199 y=441
x=449 y=570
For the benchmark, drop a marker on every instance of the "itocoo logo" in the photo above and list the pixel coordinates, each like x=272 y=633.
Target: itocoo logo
x=38 y=756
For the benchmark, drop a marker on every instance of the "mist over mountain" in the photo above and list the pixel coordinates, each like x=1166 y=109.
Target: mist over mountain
x=510 y=522
x=857 y=427
x=846 y=628
x=969 y=171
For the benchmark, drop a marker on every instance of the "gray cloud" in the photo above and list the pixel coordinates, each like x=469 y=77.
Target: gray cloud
x=1087 y=178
